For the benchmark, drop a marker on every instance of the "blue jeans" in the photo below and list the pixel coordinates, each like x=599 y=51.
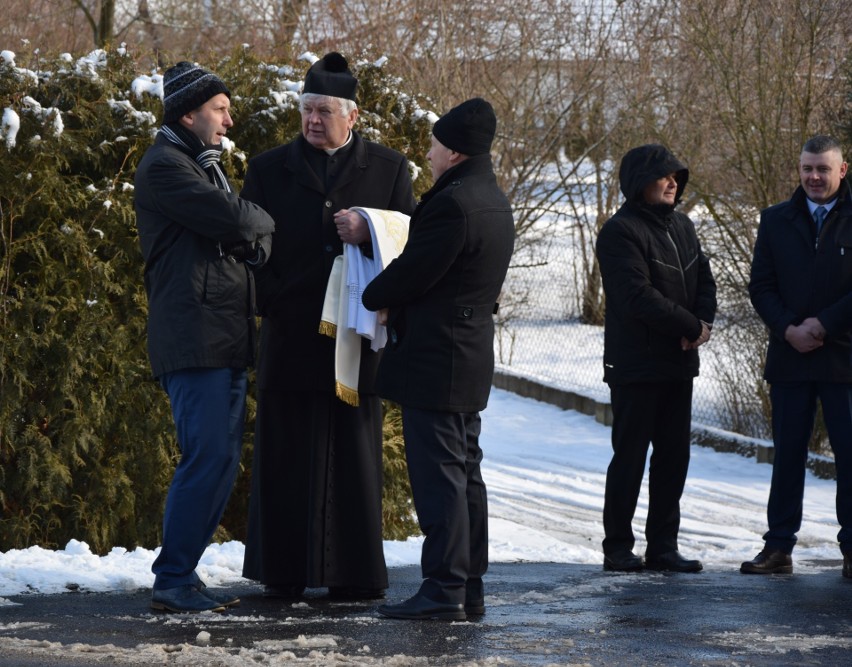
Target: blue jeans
x=208 y=406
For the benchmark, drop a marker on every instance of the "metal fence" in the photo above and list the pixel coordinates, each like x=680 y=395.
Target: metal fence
x=540 y=336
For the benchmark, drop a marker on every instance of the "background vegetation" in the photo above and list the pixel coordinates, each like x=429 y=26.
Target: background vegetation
x=87 y=443
x=733 y=87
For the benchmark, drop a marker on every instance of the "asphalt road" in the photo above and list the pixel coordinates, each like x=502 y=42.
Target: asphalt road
x=537 y=614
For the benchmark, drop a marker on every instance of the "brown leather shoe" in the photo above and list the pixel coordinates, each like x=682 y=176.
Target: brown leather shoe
x=769 y=561
x=847 y=566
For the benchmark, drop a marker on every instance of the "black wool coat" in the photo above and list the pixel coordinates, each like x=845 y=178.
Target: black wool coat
x=657 y=281
x=200 y=303
x=442 y=291
x=795 y=275
x=291 y=287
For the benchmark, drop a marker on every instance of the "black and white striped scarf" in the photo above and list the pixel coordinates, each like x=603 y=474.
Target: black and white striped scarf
x=207 y=156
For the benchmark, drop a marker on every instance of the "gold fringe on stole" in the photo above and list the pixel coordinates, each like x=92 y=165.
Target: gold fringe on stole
x=328 y=329
x=346 y=394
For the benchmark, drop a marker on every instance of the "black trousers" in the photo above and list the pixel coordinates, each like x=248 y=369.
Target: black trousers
x=443 y=455
x=794 y=406
x=658 y=414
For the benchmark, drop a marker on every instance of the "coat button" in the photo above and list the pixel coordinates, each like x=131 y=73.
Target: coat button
x=328 y=204
x=328 y=248
x=467 y=312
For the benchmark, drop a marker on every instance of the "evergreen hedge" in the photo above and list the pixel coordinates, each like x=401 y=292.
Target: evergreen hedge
x=87 y=444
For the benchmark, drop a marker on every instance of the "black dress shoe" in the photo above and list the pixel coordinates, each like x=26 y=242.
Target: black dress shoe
x=672 y=561
x=474 y=606
x=474 y=597
x=224 y=598
x=283 y=592
x=623 y=561
x=420 y=607
x=769 y=561
x=847 y=566
x=355 y=593
x=183 y=599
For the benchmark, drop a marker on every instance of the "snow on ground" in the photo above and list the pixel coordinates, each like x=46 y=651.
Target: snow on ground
x=545 y=470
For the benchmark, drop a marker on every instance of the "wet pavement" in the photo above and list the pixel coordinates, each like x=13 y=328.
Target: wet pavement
x=537 y=614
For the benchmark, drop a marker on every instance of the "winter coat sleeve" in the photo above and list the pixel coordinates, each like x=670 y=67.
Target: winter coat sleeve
x=763 y=287
x=705 y=293
x=214 y=213
x=434 y=242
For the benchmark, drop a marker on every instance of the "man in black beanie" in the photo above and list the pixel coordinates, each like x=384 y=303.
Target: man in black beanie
x=201 y=244
x=315 y=515
x=440 y=295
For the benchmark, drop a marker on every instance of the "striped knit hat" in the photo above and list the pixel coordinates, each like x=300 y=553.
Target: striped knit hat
x=186 y=87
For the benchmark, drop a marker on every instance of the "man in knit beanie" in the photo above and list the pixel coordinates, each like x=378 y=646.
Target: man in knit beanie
x=201 y=244
x=440 y=295
x=187 y=87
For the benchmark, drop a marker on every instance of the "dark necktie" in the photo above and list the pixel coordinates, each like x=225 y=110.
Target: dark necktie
x=819 y=217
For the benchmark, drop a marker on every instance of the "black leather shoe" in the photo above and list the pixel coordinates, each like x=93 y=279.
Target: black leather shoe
x=283 y=592
x=420 y=607
x=182 y=599
x=224 y=598
x=847 y=566
x=355 y=593
x=769 y=561
x=474 y=606
x=623 y=561
x=672 y=561
x=474 y=597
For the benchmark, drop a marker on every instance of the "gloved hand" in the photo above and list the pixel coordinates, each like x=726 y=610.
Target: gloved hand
x=244 y=251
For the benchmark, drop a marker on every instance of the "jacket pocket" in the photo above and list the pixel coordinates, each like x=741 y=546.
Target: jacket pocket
x=215 y=290
x=841 y=261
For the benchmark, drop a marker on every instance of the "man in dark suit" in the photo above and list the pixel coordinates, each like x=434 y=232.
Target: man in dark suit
x=316 y=497
x=440 y=294
x=801 y=286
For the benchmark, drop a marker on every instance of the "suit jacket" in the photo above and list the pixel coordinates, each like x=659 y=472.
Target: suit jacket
x=442 y=291
x=795 y=275
x=291 y=287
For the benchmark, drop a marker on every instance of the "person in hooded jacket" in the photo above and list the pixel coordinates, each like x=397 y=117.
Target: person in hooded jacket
x=660 y=304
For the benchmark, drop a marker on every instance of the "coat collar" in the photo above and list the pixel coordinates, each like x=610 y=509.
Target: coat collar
x=477 y=164
x=798 y=212
x=799 y=200
x=358 y=160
